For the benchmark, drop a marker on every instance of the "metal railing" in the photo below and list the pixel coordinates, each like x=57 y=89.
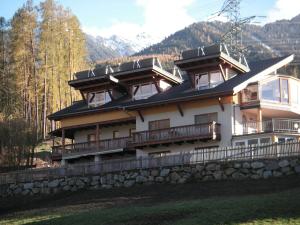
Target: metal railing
x=90 y=147
x=180 y=133
x=274 y=125
x=266 y=151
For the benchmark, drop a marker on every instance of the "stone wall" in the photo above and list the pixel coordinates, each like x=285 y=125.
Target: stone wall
x=174 y=175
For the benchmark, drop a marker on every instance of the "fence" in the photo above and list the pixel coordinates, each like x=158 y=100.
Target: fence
x=266 y=151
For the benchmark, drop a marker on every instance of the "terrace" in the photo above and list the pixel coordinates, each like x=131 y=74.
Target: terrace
x=189 y=133
x=90 y=148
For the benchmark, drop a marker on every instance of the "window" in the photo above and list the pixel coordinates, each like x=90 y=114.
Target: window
x=202 y=81
x=91 y=137
x=131 y=131
x=116 y=134
x=284 y=90
x=143 y=91
x=206 y=118
x=159 y=124
x=271 y=91
x=98 y=98
x=250 y=93
x=253 y=142
x=240 y=143
x=208 y=80
x=265 y=140
x=159 y=154
x=215 y=79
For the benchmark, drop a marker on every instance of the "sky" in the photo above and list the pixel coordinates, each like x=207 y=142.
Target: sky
x=159 y=18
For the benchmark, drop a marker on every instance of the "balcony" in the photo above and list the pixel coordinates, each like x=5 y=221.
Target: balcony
x=90 y=148
x=277 y=125
x=196 y=132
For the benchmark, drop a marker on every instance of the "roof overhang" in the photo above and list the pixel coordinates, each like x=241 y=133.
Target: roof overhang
x=69 y=131
x=216 y=59
x=263 y=73
x=125 y=75
x=180 y=99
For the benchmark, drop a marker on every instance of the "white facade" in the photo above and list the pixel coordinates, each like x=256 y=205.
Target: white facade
x=225 y=118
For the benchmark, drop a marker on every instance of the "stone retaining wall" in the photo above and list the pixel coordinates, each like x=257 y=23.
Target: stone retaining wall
x=174 y=175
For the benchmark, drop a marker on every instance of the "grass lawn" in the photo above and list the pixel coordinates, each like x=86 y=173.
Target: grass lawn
x=279 y=207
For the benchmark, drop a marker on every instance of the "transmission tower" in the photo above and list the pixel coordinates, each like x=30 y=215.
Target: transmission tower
x=233 y=38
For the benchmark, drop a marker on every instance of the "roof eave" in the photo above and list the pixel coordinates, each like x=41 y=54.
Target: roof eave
x=180 y=99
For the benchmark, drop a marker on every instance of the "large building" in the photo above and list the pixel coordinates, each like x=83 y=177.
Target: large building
x=210 y=100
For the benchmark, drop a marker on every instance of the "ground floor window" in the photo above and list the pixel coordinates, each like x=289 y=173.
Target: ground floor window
x=240 y=143
x=265 y=140
x=159 y=154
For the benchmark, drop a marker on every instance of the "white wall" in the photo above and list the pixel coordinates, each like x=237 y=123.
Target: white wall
x=185 y=147
x=105 y=132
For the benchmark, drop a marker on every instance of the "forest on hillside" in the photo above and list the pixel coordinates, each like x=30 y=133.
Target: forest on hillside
x=41 y=47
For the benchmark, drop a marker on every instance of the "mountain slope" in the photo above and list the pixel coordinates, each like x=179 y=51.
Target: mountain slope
x=97 y=50
x=273 y=39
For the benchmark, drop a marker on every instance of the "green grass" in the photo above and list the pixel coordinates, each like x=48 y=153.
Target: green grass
x=274 y=208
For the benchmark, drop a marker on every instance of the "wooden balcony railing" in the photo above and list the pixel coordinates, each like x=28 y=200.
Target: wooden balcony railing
x=177 y=134
x=90 y=147
x=274 y=125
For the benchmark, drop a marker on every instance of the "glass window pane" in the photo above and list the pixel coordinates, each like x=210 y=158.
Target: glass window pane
x=271 y=91
x=265 y=140
x=284 y=91
x=253 y=142
x=215 y=78
x=144 y=91
x=240 y=143
x=201 y=81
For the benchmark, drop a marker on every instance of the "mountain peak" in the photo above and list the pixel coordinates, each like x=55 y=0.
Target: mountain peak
x=296 y=18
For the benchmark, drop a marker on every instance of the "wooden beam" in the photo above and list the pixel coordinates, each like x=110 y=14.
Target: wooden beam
x=221 y=104
x=180 y=109
x=136 y=89
x=82 y=95
x=110 y=94
x=223 y=72
x=157 y=87
x=97 y=135
x=141 y=115
x=259 y=120
x=63 y=134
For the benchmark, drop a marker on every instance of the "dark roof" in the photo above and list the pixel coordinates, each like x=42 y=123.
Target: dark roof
x=180 y=92
x=128 y=69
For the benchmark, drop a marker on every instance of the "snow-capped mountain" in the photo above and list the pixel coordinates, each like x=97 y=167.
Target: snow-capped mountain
x=116 y=46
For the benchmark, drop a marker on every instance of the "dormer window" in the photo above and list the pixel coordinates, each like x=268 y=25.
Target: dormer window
x=96 y=99
x=208 y=80
x=143 y=91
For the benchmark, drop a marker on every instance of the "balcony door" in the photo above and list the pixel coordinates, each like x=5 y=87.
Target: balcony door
x=204 y=121
x=158 y=129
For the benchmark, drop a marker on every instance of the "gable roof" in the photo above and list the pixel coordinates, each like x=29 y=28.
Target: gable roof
x=182 y=92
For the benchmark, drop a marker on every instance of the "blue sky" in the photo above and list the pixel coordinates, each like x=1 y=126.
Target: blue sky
x=159 y=18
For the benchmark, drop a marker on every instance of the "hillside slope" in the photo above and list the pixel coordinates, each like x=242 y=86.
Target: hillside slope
x=273 y=39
